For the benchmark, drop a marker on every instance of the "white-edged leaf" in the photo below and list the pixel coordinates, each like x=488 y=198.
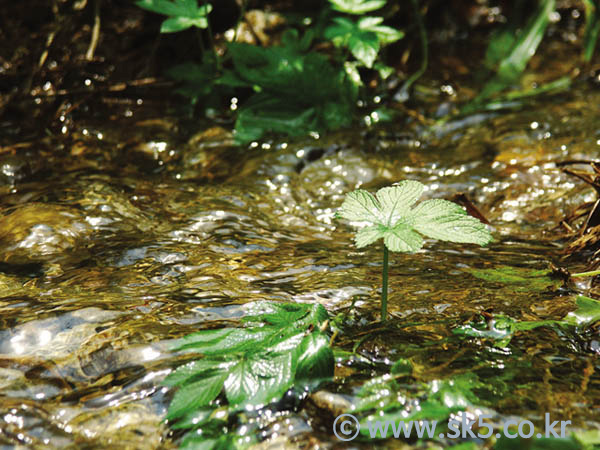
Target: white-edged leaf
x=447 y=221
x=357 y=6
x=396 y=200
x=364 y=46
x=366 y=23
x=402 y=239
x=385 y=34
x=360 y=206
x=368 y=235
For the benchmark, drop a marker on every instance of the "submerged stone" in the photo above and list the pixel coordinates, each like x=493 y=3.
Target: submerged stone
x=39 y=233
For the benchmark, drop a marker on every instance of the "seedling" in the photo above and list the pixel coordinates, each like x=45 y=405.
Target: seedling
x=389 y=215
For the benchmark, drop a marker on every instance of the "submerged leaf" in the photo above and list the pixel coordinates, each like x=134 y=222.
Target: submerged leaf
x=587 y=312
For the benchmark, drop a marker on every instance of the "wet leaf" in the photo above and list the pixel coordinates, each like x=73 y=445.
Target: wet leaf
x=200 y=393
x=259 y=379
x=587 y=312
x=315 y=360
x=254 y=365
x=385 y=34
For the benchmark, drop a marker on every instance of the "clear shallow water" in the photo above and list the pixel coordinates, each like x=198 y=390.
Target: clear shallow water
x=125 y=236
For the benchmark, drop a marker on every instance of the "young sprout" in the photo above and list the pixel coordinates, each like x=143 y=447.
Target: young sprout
x=389 y=215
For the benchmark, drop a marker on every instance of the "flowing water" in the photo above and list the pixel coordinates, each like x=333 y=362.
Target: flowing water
x=125 y=234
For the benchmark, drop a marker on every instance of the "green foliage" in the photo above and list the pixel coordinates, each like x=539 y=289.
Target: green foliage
x=363 y=38
x=295 y=90
x=183 y=14
x=438 y=400
x=281 y=345
x=592 y=28
x=509 y=52
x=357 y=6
x=587 y=312
x=520 y=279
x=389 y=215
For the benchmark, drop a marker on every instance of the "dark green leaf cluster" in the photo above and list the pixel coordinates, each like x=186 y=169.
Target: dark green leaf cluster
x=437 y=400
x=295 y=90
x=281 y=345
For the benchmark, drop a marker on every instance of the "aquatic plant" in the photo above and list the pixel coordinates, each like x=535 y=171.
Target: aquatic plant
x=388 y=215
x=281 y=345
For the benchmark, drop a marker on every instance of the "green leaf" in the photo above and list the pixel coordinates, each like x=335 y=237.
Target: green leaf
x=396 y=200
x=500 y=329
x=512 y=62
x=193 y=369
x=315 y=358
x=592 y=29
x=388 y=215
x=182 y=14
x=259 y=379
x=175 y=24
x=368 y=235
x=296 y=92
x=357 y=6
x=447 y=221
x=196 y=395
x=360 y=206
x=518 y=279
x=228 y=340
x=364 y=47
x=385 y=34
x=587 y=312
x=401 y=238
x=253 y=366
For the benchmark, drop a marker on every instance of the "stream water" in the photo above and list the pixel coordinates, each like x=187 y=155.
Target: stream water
x=124 y=234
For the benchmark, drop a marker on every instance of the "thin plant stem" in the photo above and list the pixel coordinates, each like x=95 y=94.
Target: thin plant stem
x=212 y=41
x=404 y=94
x=384 y=285
x=586 y=274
